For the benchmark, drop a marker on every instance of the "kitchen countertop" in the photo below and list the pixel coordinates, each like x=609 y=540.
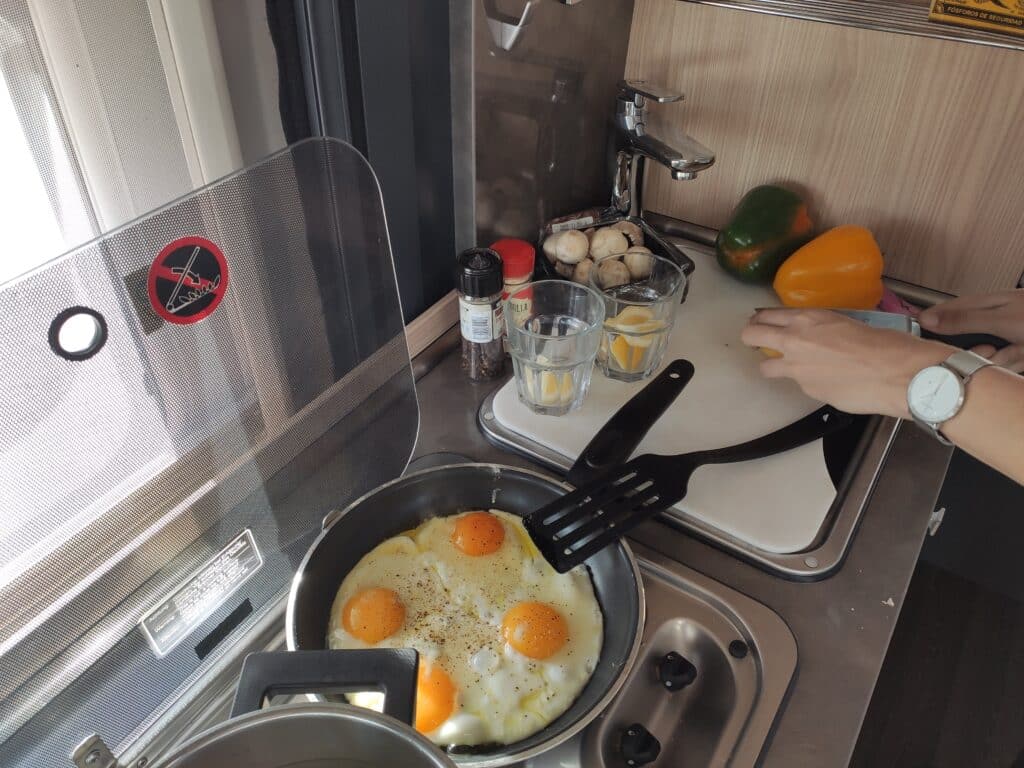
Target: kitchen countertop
x=842 y=624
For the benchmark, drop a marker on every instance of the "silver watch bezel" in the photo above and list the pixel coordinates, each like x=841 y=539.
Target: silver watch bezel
x=963 y=364
x=961 y=396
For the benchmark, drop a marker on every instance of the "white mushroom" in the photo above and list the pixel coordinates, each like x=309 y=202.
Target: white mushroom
x=612 y=272
x=548 y=246
x=565 y=270
x=581 y=274
x=639 y=262
x=570 y=247
x=632 y=231
x=608 y=242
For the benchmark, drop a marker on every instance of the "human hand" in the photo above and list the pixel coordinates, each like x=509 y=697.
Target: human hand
x=1001 y=314
x=842 y=361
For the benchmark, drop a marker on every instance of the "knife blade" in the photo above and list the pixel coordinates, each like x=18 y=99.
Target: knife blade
x=873 y=317
x=897 y=322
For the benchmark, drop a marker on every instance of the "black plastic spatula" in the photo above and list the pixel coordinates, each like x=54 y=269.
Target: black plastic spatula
x=574 y=527
x=619 y=437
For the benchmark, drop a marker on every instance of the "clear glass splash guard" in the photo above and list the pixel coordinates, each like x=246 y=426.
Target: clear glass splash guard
x=184 y=400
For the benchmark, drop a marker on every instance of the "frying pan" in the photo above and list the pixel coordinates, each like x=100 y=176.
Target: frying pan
x=307 y=735
x=405 y=503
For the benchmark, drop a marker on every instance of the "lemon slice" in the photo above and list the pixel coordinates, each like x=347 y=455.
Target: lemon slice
x=642 y=341
x=556 y=388
x=650 y=327
x=568 y=391
x=629 y=356
x=631 y=317
x=549 y=388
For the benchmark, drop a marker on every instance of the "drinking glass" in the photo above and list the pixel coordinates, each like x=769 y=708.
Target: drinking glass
x=639 y=316
x=554 y=328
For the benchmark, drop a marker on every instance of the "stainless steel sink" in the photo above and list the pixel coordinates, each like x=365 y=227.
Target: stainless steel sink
x=744 y=656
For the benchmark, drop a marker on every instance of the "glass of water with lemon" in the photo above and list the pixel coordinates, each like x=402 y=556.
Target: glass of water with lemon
x=639 y=314
x=554 y=328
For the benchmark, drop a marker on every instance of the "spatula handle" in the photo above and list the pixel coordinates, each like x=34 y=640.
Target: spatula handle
x=615 y=442
x=814 y=426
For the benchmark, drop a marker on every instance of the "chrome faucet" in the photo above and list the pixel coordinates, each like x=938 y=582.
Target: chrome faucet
x=633 y=145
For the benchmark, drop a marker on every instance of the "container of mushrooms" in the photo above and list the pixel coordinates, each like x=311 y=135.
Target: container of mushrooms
x=572 y=247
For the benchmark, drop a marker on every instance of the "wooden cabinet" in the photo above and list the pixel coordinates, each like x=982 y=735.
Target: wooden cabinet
x=921 y=140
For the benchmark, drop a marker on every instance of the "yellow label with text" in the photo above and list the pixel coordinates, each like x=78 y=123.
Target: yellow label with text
x=992 y=15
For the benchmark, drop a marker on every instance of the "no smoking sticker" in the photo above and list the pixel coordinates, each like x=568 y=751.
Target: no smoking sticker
x=187 y=280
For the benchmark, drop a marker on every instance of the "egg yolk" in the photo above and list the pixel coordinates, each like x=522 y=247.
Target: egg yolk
x=435 y=697
x=478 y=533
x=373 y=614
x=535 y=629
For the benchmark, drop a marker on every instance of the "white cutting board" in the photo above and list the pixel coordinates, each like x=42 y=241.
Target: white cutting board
x=776 y=504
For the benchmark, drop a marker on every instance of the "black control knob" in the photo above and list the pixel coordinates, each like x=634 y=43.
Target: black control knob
x=675 y=672
x=638 y=745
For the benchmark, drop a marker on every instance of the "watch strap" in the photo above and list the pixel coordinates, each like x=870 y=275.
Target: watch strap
x=965 y=364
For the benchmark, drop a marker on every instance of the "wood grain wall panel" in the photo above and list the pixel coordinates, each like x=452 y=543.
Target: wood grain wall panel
x=920 y=140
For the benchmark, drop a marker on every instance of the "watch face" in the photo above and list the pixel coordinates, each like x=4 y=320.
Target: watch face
x=935 y=394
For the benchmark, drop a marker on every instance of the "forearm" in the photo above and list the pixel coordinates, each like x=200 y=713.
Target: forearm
x=867 y=370
x=990 y=426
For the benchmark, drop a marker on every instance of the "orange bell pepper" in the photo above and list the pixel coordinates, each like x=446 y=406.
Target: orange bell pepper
x=841 y=268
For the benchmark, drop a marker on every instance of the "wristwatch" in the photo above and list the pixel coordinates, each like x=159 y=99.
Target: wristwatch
x=936 y=394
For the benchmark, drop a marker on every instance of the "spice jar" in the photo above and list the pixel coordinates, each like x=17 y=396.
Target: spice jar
x=479 y=283
x=517 y=257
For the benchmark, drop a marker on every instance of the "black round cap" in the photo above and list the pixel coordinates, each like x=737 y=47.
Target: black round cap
x=479 y=272
x=738 y=649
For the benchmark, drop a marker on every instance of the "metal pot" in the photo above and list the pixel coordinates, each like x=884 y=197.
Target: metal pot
x=317 y=735
x=405 y=503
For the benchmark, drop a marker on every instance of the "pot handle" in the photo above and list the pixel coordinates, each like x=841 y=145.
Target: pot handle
x=391 y=670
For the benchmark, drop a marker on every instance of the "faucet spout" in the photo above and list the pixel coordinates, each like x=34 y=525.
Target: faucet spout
x=685 y=160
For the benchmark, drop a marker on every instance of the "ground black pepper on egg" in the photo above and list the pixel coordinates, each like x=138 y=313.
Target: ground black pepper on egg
x=429 y=582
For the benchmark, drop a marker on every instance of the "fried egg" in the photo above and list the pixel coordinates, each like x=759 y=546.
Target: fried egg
x=506 y=642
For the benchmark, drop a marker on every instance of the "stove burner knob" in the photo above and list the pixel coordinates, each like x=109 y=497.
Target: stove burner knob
x=638 y=746
x=675 y=672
